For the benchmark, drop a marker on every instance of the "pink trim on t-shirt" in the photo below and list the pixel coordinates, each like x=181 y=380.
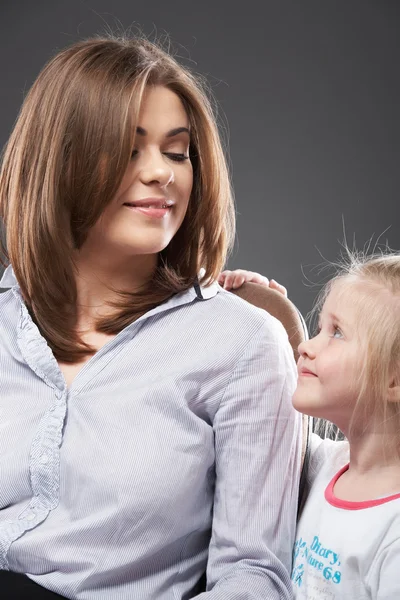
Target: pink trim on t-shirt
x=347 y=504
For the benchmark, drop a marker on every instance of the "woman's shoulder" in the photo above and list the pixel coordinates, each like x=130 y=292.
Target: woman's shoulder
x=241 y=311
x=245 y=320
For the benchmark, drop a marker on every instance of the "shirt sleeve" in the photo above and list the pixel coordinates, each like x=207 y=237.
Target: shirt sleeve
x=258 y=448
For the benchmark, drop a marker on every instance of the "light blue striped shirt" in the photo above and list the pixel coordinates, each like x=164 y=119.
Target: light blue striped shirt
x=176 y=448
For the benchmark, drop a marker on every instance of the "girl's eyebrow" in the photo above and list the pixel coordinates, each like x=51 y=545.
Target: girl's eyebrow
x=338 y=321
x=170 y=133
x=334 y=318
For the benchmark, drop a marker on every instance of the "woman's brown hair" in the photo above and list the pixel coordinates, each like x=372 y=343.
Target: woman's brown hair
x=64 y=163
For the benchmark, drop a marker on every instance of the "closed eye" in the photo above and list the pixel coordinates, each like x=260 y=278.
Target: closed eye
x=176 y=156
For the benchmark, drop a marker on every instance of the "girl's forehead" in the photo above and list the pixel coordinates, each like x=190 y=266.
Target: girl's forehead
x=338 y=294
x=344 y=299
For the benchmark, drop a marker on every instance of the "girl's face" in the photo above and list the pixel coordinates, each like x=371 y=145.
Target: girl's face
x=330 y=363
x=153 y=197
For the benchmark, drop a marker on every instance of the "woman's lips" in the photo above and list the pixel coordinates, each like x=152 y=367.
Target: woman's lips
x=155 y=208
x=150 y=211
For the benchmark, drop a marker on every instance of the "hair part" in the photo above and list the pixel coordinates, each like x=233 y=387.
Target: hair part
x=64 y=162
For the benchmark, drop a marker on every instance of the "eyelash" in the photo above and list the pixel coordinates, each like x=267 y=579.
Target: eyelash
x=175 y=156
x=335 y=329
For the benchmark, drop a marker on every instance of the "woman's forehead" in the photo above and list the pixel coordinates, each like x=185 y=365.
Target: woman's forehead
x=162 y=110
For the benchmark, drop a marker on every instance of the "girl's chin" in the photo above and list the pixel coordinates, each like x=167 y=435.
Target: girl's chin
x=304 y=406
x=300 y=403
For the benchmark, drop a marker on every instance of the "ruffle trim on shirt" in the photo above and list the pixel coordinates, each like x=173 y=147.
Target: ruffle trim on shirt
x=44 y=458
x=35 y=350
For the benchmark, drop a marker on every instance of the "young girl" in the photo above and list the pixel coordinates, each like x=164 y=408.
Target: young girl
x=348 y=536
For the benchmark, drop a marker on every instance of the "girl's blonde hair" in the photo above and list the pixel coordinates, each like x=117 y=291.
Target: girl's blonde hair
x=64 y=163
x=374 y=283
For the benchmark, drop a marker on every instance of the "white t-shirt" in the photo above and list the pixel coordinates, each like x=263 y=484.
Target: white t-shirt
x=344 y=550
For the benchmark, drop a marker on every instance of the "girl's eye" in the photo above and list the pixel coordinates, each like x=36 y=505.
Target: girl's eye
x=134 y=153
x=177 y=157
x=337 y=333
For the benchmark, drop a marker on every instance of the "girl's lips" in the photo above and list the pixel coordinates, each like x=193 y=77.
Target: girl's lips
x=306 y=373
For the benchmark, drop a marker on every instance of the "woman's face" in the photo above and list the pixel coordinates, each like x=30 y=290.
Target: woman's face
x=153 y=197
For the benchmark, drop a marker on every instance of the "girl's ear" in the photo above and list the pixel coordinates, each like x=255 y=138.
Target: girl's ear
x=394 y=390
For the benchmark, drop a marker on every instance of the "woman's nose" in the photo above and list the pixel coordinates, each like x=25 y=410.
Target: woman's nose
x=156 y=170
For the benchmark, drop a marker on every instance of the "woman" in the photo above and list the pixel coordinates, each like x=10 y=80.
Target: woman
x=147 y=428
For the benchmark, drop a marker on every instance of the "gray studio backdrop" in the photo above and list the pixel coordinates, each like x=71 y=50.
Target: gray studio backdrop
x=309 y=102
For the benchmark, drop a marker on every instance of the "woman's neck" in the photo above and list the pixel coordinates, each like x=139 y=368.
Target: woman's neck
x=99 y=279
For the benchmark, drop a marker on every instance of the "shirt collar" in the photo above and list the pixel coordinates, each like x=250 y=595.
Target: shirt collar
x=205 y=293
x=8 y=279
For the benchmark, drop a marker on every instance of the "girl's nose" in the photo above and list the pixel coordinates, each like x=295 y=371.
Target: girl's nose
x=306 y=349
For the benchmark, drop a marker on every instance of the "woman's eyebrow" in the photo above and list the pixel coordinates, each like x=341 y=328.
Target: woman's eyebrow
x=171 y=133
x=177 y=131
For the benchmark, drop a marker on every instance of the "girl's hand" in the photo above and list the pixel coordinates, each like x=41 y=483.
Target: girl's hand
x=231 y=280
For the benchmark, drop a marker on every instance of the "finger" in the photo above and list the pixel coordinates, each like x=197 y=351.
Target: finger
x=228 y=281
x=278 y=287
x=261 y=279
x=222 y=276
x=238 y=280
x=251 y=276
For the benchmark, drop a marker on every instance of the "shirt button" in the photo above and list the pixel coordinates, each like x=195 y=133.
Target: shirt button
x=30 y=516
x=44 y=459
